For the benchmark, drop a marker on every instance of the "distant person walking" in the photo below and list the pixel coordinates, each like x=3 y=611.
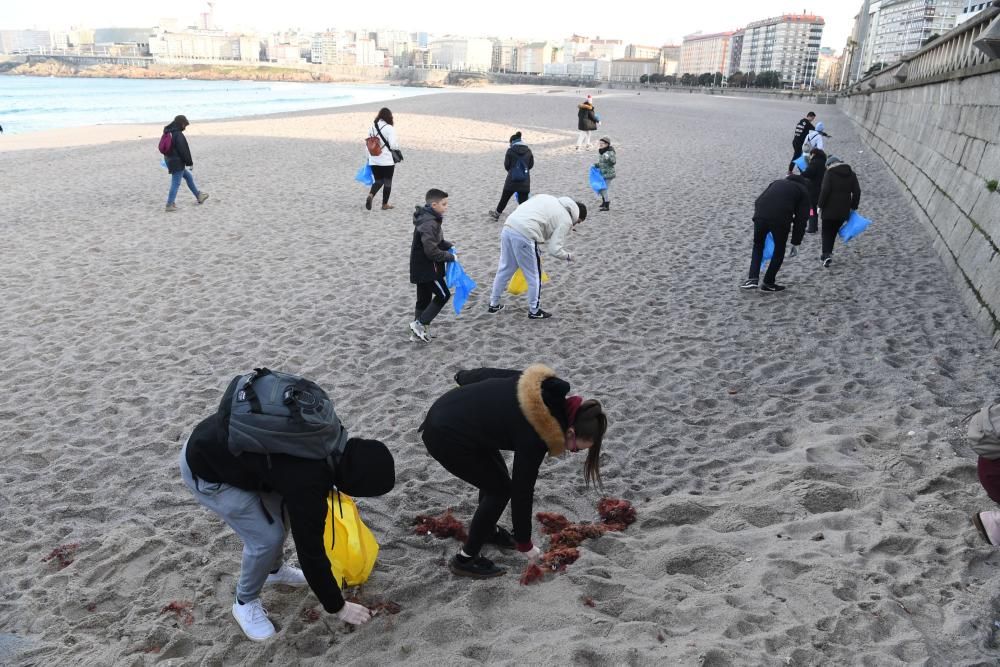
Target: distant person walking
x=179 y=163
x=384 y=164
x=541 y=219
x=782 y=208
x=428 y=255
x=586 y=122
x=606 y=163
x=814 y=174
x=519 y=161
x=802 y=130
x=1 y=129
x=839 y=195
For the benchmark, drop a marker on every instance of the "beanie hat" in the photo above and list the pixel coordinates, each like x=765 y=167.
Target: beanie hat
x=606 y=140
x=515 y=137
x=820 y=127
x=365 y=469
x=833 y=159
x=589 y=98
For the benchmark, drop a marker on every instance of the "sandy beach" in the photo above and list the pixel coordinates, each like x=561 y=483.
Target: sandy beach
x=797 y=460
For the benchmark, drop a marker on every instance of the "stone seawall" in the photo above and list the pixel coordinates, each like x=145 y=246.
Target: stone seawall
x=942 y=142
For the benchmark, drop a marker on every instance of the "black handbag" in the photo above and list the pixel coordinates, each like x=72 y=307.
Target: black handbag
x=397 y=155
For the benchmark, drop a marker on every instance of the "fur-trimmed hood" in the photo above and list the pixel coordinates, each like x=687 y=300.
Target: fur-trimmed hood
x=530 y=399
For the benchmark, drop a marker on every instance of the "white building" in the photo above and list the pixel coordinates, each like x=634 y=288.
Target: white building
x=701 y=54
x=787 y=44
x=970 y=8
x=532 y=58
x=607 y=49
x=25 y=41
x=204 y=45
x=897 y=28
x=471 y=55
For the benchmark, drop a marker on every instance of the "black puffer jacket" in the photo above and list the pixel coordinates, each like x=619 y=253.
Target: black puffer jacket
x=814 y=174
x=785 y=201
x=586 y=120
x=179 y=155
x=517 y=152
x=494 y=409
x=429 y=250
x=840 y=194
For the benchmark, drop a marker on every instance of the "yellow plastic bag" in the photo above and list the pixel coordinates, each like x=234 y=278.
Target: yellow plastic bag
x=519 y=284
x=350 y=545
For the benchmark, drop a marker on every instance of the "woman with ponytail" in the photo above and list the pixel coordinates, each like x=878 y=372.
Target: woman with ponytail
x=529 y=413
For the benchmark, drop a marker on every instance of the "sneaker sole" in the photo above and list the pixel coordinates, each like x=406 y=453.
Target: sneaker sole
x=748 y=286
x=469 y=575
x=978 y=523
x=245 y=634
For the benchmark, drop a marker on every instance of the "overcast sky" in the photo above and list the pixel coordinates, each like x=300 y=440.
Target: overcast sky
x=652 y=22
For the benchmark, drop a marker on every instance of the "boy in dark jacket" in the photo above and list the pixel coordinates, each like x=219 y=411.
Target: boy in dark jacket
x=840 y=194
x=784 y=204
x=262 y=496
x=814 y=174
x=518 y=162
x=178 y=159
x=428 y=255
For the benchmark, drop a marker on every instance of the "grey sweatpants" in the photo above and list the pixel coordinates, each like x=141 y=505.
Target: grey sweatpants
x=517 y=251
x=263 y=541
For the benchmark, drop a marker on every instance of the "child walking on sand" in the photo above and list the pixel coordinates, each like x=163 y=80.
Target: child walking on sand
x=428 y=254
x=606 y=163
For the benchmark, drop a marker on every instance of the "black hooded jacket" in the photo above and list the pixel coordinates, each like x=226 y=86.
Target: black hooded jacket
x=785 y=201
x=841 y=192
x=429 y=250
x=802 y=130
x=495 y=409
x=179 y=155
x=303 y=484
x=814 y=174
x=517 y=152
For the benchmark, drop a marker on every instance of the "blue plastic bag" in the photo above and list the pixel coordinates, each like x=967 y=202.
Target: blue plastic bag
x=768 y=249
x=163 y=162
x=801 y=162
x=597 y=181
x=460 y=283
x=365 y=176
x=855 y=224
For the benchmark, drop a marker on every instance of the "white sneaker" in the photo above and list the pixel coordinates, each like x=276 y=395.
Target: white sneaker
x=988 y=524
x=418 y=330
x=287 y=575
x=253 y=620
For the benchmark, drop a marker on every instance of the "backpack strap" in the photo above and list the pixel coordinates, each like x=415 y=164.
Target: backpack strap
x=379 y=132
x=249 y=394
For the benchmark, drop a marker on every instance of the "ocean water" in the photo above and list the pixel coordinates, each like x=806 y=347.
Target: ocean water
x=30 y=104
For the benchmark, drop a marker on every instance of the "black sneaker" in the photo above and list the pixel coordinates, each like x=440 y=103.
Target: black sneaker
x=772 y=287
x=749 y=284
x=604 y=207
x=495 y=214
x=502 y=538
x=495 y=309
x=477 y=568
x=368 y=203
x=539 y=315
x=827 y=261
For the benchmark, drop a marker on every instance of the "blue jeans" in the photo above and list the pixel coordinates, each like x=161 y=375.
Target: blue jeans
x=175 y=184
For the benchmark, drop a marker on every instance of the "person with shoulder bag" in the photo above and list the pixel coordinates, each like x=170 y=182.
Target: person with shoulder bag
x=266 y=463
x=383 y=154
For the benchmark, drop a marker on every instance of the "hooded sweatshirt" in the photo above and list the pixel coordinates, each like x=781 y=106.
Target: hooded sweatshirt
x=814 y=173
x=429 y=250
x=815 y=139
x=518 y=151
x=785 y=201
x=587 y=121
x=802 y=129
x=303 y=484
x=495 y=409
x=179 y=155
x=546 y=219
x=840 y=194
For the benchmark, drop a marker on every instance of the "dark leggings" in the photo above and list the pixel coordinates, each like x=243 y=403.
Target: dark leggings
x=522 y=196
x=830 y=229
x=483 y=469
x=779 y=232
x=431 y=298
x=383 y=177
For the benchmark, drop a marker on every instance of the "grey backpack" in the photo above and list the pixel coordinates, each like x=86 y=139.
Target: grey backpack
x=984 y=432
x=280 y=413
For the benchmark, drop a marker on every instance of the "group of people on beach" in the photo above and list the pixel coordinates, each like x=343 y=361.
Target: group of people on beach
x=248 y=463
x=827 y=188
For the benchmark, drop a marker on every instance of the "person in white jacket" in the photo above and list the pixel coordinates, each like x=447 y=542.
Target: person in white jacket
x=815 y=140
x=382 y=164
x=541 y=219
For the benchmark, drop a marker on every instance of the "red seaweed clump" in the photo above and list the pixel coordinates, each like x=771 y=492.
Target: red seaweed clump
x=557 y=559
x=310 y=615
x=62 y=555
x=616 y=514
x=552 y=522
x=574 y=535
x=532 y=573
x=442 y=526
x=182 y=609
x=385 y=607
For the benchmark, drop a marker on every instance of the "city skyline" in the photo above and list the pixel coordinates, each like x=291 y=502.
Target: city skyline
x=442 y=17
